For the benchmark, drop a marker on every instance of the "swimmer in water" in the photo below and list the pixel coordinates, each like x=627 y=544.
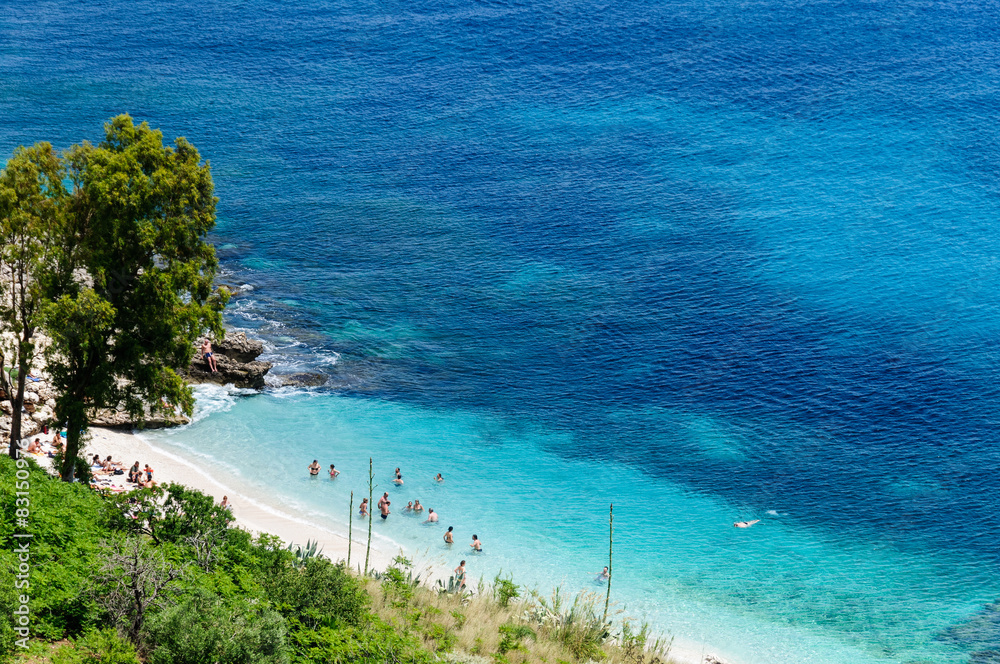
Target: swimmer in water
x=431 y=517
x=417 y=507
x=399 y=480
x=745 y=524
x=333 y=472
x=604 y=575
x=314 y=468
x=448 y=539
x=364 y=508
x=409 y=507
x=476 y=545
x=439 y=478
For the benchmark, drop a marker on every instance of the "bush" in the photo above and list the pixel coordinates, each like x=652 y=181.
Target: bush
x=321 y=594
x=376 y=642
x=204 y=630
x=97 y=647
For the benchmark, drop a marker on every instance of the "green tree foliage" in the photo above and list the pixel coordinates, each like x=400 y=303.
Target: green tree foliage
x=32 y=198
x=204 y=629
x=137 y=291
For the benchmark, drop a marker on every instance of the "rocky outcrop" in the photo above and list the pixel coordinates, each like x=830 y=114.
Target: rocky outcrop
x=114 y=419
x=236 y=358
x=303 y=379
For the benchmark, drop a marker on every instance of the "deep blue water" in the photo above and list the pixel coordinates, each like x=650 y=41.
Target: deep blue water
x=746 y=251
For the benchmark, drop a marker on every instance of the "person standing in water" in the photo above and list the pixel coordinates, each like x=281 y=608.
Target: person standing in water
x=448 y=539
x=364 y=507
x=604 y=575
x=333 y=472
x=314 y=468
x=431 y=516
x=384 y=507
x=476 y=545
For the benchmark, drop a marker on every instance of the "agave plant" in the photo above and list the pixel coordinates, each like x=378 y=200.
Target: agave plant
x=302 y=555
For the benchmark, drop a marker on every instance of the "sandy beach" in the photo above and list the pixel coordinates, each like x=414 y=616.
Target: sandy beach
x=257 y=514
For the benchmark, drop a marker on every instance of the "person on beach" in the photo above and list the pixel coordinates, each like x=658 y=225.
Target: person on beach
x=134 y=474
x=604 y=575
x=460 y=575
x=399 y=480
x=384 y=508
x=439 y=478
x=333 y=472
x=314 y=468
x=417 y=507
x=35 y=446
x=208 y=355
x=431 y=517
x=149 y=477
x=448 y=538
x=745 y=524
x=225 y=503
x=476 y=545
x=363 y=510
x=409 y=507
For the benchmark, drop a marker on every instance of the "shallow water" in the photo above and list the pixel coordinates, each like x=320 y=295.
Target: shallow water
x=709 y=261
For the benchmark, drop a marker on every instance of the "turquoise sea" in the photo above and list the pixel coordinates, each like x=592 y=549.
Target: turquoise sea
x=709 y=261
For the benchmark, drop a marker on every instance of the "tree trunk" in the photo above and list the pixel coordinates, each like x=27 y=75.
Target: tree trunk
x=73 y=436
x=16 y=404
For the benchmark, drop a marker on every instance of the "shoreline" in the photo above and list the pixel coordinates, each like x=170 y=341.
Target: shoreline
x=255 y=513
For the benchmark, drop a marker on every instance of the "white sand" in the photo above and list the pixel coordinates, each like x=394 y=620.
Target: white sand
x=259 y=515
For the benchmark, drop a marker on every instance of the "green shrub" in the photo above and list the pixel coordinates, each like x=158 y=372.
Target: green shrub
x=375 y=642
x=97 y=647
x=504 y=590
x=320 y=594
x=204 y=630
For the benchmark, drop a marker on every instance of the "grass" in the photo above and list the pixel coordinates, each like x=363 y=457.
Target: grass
x=501 y=623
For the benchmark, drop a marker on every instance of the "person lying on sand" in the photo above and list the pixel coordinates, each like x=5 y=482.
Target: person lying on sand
x=448 y=539
x=314 y=468
x=745 y=524
x=476 y=545
x=431 y=517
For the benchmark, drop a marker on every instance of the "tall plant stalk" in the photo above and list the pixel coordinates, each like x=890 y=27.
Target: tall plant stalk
x=368 y=549
x=611 y=545
x=350 y=522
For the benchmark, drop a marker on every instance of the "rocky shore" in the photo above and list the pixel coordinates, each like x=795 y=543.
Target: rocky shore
x=236 y=357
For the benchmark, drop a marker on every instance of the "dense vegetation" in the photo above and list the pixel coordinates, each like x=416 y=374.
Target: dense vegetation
x=162 y=576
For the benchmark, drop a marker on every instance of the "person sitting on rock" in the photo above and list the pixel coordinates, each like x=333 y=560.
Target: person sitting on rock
x=209 y=357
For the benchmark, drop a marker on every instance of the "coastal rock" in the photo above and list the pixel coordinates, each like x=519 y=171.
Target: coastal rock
x=236 y=358
x=237 y=347
x=115 y=419
x=304 y=379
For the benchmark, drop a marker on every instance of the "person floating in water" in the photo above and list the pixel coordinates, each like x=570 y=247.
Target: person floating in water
x=448 y=538
x=439 y=478
x=745 y=524
x=314 y=468
x=208 y=355
x=431 y=516
x=604 y=575
x=476 y=545
x=333 y=472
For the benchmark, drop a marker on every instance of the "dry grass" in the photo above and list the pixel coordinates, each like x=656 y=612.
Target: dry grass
x=488 y=626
